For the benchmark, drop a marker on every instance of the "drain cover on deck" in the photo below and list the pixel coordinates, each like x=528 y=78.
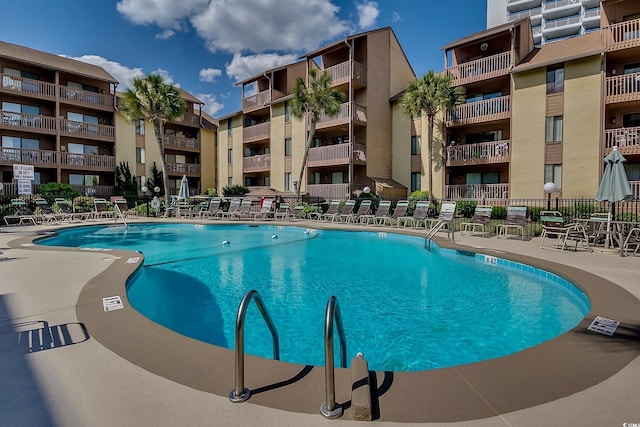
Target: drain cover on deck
x=602 y=325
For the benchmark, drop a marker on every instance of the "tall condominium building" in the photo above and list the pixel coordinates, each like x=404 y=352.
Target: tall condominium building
x=551 y=20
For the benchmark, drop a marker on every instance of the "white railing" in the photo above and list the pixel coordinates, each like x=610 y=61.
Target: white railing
x=627 y=139
x=550 y=5
x=477 y=191
x=482 y=152
x=621 y=35
x=480 y=69
x=329 y=191
x=480 y=111
x=625 y=87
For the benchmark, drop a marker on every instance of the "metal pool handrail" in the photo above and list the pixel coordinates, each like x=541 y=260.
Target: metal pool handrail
x=329 y=408
x=240 y=393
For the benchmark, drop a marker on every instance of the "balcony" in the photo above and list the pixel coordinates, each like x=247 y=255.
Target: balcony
x=481 y=69
x=560 y=8
x=86 y=98
x=256 y=132
x=626 y=139
x=338 y=154
x=92 y=162
x=29 y=87
x=188 y=118
x=625 y=87
x=181 y=143
x=348 y=111
x=27 y=122
x=481 y=111
x=191 y=169
x=476 y=191
x=329 y=191
x=561 y=27
x=622 y=35
x=259 y=163
x=86 y=130
x=515 y=5
x=348 y=71
x=260 y=99
x=535 y=14
x=44 y=158
x=478 y=154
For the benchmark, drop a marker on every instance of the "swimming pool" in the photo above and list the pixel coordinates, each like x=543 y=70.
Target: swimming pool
x=404 y=307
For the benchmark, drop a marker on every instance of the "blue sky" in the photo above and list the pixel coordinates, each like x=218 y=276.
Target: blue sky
x=205 y=46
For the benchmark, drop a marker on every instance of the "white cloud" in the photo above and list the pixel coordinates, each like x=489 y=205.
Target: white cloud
x=209 y=74
x=395 y=17
x=211 y=106
x=168 y=78
x=166 y=14
x=123 y=74
x=166 y=34
x=242 y=67
x=367 y=14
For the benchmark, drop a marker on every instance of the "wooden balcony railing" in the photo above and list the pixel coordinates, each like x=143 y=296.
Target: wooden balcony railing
x=479 y=153
x=621 y=35
x=348 y=70
x=625 y=87
x=256 y=132
x=329 y=191
x=94 y=162
x=348 y=111
x=189 y=118
x=477 y=191
x=183 y=168
x=27 y=122
x=481 y=69
x=9 y=156
x=86 y=130
x=84 y=97
x=256 y=101
x=626 y=139
x=338 y=154
x=259 y=163
x=180 y=142
x=481 y=111
x=35 y=88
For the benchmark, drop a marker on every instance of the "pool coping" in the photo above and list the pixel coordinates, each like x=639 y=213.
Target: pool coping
x=566 y=365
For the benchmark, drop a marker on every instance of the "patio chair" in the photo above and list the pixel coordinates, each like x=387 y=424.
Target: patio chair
x=283 y=212
x=443 y=222
x=419 y=214
x=23 y=213
x=632 y=241
x=232 y=210
x=298 y=213
x=363 y=209
x=183 y=209
x=266 y=210
x=399 y=211
x=244 y=211
x=347 y=210
x=46 y=213
x=554 y=226
x=514 y=223
x=101 y=209
x=384 y=207
x=480 y=221
x=331 y=212
x=66 y=210
x=213 y=210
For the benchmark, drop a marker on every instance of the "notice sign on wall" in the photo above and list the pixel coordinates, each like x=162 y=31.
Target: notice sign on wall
x=112 y=303
x=23 y=172
x=24 y=186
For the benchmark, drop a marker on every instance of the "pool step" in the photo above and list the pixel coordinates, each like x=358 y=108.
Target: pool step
x=360 y=389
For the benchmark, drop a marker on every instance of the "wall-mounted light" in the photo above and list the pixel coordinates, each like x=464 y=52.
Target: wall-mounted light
x=613 y=71
x=613 y=120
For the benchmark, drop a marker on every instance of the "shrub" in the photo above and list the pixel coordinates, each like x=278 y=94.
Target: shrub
x=466 y=208
x=498 y=212
x=56 y=189
x=234 y=190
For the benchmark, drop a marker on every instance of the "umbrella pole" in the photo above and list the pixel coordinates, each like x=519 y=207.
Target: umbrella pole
x=607 y=239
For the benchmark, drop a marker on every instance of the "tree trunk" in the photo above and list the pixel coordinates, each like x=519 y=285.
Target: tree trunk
x=157 y=126
x=430 y=154
x=312 y=132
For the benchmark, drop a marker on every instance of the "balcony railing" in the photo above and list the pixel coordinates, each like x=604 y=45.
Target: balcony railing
x=256 y=132
x=592 y=13
x=9 y=156
x=551 y=5
x=625 y=87
x=259 y=163
x=86 y=130
x=329 y=191
x=561 y=22
x=180 y=142
x=338 y=154
x=348 y=111
x=341 y=73
x=477 y=191
x=27 y=122
x=635 y=188
x=621 y=35
x=258 y=100
x=189 y=119
x=183 y=168
x=480 y=111
x=626 y=139
x=479 y=153
x=24 y=86
x=85 y=97
x=481 y=69
x=514 y=16
x=87 y=161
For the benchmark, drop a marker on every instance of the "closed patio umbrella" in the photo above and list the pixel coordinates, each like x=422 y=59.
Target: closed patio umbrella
x=614 y=186
x=183 y=194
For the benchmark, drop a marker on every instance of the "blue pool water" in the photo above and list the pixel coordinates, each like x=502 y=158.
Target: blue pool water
x=404 y=307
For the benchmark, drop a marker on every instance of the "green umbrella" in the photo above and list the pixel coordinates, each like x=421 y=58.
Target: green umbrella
x=183 y=194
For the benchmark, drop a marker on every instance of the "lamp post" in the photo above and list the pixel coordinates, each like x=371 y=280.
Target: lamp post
x=146 y=198
x=549 y=188
x=156 y=190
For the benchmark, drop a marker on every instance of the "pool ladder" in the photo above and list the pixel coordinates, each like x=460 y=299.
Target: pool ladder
x=329 y=408
x=121 y=215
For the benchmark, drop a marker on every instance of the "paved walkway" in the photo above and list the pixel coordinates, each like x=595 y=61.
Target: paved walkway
x=79 y=382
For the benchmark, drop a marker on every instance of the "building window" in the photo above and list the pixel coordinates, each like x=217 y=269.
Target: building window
x=287 y=112
x=230 y=181
x=141 y=156
x=415 y=145
x=553 y=173
x=230 y=156
x=267 y=181
x=140 y=127
x=287 y=181
x=415 y=181
x=555 y=80
x=314 y=178
x=554 y=129
x=88 y=180
x=287 y=146
x=229 y=124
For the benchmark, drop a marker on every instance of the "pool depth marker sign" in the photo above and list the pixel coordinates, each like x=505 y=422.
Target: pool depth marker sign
x=603 y=325
x=112 y=303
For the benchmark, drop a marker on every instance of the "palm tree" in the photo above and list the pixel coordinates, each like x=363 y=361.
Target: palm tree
x=427 y=96
x=152 y=99
x=317 y=98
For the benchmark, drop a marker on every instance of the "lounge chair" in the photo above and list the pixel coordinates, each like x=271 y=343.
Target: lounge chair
x=23 y=213
x=213 y=210
x=331 y=213
x=419 y=216
x=399 y=211
x=66 y=210
x=443 y=222
x=384 y=207
x=266 y=210
x=46 y=213
x=244 y=211
x=479 y=222
x=232 y=210
x=123 y=206
x=298 y=213
x=101 y=209
x=514 y=223
x=347 y=210
x=283 y=212
x=363 y=209
x=632 y=241
x=554 y=226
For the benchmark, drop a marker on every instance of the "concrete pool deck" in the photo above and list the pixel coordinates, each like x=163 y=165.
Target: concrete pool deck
x=106 y=373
